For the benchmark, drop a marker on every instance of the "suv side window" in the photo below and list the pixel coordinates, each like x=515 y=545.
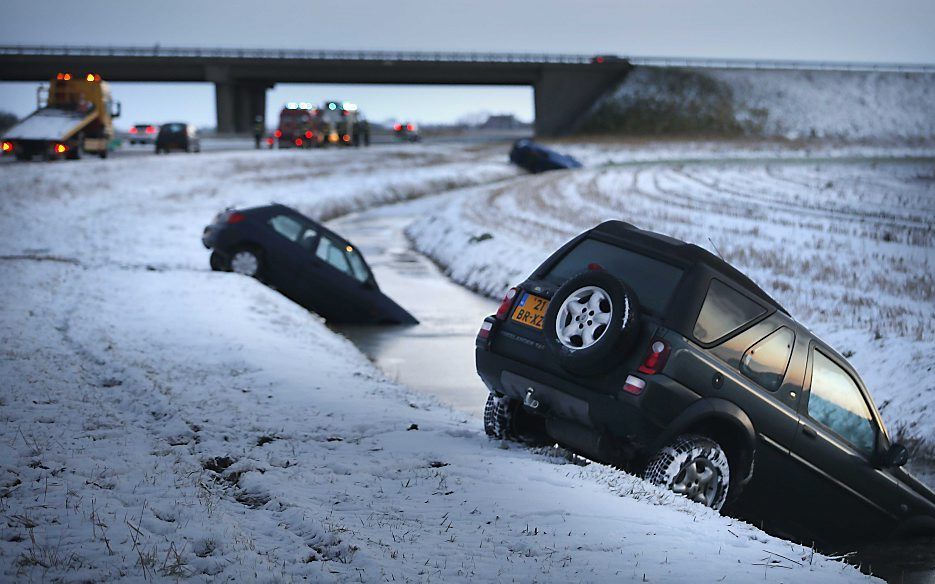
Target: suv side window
x=724 y=311
x=286 y=226
x=767 y=360
x=330 y=252
x=835 y=401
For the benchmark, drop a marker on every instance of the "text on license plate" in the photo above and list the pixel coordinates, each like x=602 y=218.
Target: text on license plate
x=530 y=310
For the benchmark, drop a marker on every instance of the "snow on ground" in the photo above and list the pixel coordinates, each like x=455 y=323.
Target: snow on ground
x=847 y=247
x=162 y=421
x=876 y=106
x=614 y=151
x=146 y=210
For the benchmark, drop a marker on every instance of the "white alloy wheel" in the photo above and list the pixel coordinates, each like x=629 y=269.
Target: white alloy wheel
x=583 y=317
x=245 y=262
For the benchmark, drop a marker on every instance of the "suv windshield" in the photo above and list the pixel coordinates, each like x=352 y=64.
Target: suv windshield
x=653 y=281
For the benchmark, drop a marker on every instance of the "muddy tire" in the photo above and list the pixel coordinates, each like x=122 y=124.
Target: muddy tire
x=505 y=419
x=694 y=466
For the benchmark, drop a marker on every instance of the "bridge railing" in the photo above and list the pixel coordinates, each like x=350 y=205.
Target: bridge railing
x=157 y=51
x=298 y=54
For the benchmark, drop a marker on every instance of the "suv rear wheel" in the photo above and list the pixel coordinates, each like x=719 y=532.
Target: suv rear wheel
x=505 y=419
x=694 y=466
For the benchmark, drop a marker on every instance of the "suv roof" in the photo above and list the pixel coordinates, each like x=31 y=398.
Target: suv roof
x=686 y=253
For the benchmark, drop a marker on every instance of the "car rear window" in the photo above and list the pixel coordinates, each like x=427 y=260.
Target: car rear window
x=286 y=226
x=653 y=281
x=724 y=311
x=174 y=128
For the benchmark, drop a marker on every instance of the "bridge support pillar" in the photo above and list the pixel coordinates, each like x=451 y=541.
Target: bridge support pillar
x=562 y=97
x=238 y=104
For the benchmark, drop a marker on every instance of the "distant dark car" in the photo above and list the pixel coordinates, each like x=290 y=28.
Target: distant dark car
x=304 y=260
x=651 y=354
x=537 y=158
x=177 y=136
x=407 y=132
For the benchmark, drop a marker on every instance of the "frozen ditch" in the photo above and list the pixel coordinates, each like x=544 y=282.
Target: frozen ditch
x=435 y=357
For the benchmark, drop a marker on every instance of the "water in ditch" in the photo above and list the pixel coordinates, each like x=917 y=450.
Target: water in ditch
x=435 y=357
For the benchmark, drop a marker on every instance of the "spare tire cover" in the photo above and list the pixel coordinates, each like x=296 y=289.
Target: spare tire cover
x=591 y=321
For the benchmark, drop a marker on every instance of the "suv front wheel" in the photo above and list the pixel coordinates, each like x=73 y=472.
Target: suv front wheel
x=694 y=466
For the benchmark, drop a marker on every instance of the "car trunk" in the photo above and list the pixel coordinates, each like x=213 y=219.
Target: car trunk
x=527 y=344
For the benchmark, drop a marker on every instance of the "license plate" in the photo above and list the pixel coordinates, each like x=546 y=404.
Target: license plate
x=530 y=310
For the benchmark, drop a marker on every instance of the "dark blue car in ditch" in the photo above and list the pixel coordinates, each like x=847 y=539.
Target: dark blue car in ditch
x=537 y=158
x=302 y=259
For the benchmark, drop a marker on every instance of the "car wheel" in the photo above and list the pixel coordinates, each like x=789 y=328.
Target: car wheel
x=505 y=419
x=592 y=321
x=694 y=466
x=217 y=262
x=246 y=261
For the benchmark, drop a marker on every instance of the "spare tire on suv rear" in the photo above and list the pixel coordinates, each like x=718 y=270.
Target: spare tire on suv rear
x=591 y=321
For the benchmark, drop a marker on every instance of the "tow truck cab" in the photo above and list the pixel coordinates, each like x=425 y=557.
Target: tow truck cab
x=74 y=115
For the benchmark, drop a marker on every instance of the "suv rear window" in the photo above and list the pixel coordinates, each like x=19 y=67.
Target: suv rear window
x=724 y=311
x=767 y=360
x=653 y=281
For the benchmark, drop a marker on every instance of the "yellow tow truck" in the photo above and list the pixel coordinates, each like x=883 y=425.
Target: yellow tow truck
x=74 y=117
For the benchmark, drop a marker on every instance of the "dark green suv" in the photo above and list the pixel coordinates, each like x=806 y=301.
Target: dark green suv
x=638 y=350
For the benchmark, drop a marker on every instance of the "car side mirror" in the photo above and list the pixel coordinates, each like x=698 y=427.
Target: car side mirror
x=896 y=455
x=115 y=109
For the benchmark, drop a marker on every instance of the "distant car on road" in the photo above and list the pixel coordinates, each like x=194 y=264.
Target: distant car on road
x=177 y=136
x=537 y=158
x=143 y=134
x=407 y=132
x=648 y=353
x=304 y=260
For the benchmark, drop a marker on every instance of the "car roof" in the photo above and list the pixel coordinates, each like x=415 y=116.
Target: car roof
x=686 y=253
x=287 y=210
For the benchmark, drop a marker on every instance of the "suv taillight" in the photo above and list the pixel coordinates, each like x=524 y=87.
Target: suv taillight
x=235 y=218
x=655 y=358
x=485 y=333
x=506 y=304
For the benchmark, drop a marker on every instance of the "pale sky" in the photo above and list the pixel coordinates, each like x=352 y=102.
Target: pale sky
x=832 y=30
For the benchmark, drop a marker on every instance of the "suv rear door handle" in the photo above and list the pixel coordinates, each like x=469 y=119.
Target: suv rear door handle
x=809 y=432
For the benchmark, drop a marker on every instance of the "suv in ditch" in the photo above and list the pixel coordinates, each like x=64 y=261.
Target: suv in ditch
x=641 y=351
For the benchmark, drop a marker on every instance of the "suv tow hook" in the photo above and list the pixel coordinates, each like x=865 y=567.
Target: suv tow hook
x=529 y=401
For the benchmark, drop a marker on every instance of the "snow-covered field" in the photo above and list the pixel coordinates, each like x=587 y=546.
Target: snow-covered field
x=847 y=247
x=162 y=421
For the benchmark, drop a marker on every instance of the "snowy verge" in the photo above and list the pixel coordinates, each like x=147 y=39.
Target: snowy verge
x=149 y=210
x=879 y=106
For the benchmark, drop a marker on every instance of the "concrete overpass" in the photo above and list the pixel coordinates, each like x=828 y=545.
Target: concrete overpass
x=565 y=86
